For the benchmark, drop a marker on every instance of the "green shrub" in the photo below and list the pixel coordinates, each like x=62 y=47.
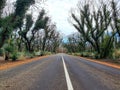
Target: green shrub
x=81 y=54
x=1 y=52
x=30 y=55
x=14 y=57
x=37 y=53
x=92 y=55
x=21 y=55
x=47 y=53
x=96 y=55
x=77 y=54
x=8 y=48
x=116 y=54
x=85 y=54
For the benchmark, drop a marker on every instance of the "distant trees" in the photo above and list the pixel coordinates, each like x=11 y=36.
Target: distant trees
x=75 y=43
x=49 y=39
x=98 y=26
x=55 y=42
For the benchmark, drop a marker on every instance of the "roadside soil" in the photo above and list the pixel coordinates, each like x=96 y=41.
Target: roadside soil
x=9 y=64
x=106 y=62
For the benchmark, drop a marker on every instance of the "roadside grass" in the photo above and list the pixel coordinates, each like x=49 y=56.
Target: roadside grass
x=20 y=58
x=115 y=58
x=9 y=64
x=103 y=62
x=115 y=63
x=24 y=55
x=116 y=54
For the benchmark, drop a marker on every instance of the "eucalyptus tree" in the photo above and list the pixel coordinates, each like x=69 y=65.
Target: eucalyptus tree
x=48 y=33
x=92 y=25
x=116 y=15
x=5 y=29
x=23 y=33
x=12 y=21
x=115 y=8
x=75 y=43
x=5 y=24
x=28 y=32
x=54 y=41
x=47 y=39
x=2 y=5
x=21 y=7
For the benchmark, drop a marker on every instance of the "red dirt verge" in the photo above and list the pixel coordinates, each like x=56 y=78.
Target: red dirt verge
x=103 y=62
x=9 y=64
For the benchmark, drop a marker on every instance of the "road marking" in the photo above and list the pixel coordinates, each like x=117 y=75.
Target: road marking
x=69 y=83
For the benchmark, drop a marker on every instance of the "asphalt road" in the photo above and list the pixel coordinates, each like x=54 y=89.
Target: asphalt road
x=60 y=72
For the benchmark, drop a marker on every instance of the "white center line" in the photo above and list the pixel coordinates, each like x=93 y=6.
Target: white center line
x=69 y=83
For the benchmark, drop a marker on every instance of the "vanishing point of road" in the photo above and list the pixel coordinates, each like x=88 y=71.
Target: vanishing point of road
x=60 y=72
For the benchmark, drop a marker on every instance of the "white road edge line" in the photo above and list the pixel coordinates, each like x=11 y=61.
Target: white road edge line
x=68 y=80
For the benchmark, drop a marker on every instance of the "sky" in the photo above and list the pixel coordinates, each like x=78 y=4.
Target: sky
x=59 y=10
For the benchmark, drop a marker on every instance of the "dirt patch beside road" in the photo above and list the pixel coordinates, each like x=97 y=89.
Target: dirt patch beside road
x=9 y=64
x=103 y=62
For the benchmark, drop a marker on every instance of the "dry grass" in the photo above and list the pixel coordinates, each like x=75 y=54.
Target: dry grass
x=116 y=54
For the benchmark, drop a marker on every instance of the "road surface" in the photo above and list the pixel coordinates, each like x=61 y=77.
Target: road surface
x=60 y=72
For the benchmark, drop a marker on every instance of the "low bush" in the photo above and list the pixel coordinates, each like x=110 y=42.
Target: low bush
x=77 y=54
x=21 y=55
x=1 y=52
x=47 y=53
x=8 y=48
x=30 y=55
x=14 y=56
x=37 y=53
x=116 y=54
x=85 y=54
